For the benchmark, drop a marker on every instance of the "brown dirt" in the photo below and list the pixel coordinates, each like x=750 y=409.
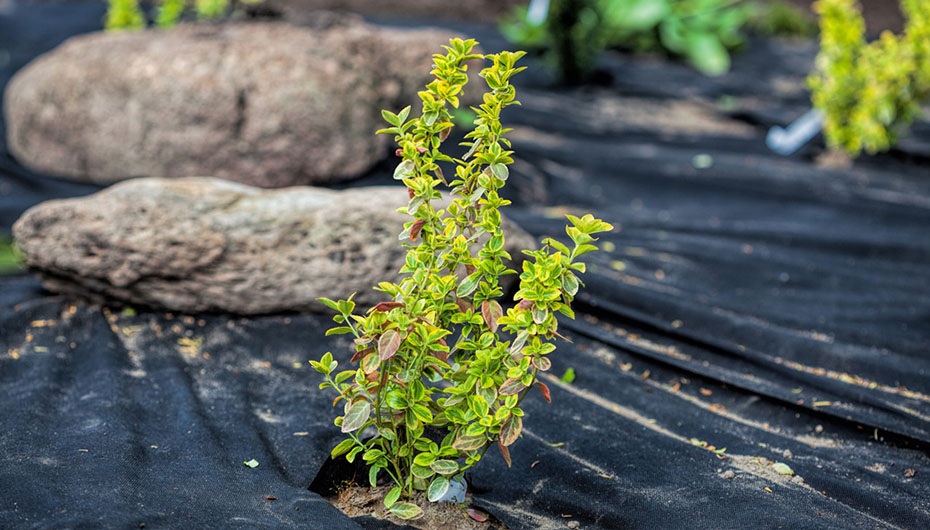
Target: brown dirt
x=356 y=501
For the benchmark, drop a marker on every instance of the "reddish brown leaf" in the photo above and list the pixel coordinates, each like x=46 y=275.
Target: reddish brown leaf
x=374 y=376
x=469 y=268
x=545 y=391
x=387 y=306
x=415 y=228
x=504 y=452
x=511 y=386
x=443 y=134
x=421 y=149
x=359 y=354
x=491 y=311
x=398 y=152
x=271 y=497
x=440 y=176
x=477 y=515
x=559 y=335
x=510 y=429
x=362 y=340
x=410 y=193
x=442 y=355
x=464 y=305
x=388 y=344
x=525 y=305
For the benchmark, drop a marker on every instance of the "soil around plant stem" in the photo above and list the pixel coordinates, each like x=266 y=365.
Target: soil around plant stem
x=357 y=501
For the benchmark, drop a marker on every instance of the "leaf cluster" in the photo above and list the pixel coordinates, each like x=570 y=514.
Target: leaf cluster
x=127 y=15
x=870 y=92
x=440 y=354
x=577 y=31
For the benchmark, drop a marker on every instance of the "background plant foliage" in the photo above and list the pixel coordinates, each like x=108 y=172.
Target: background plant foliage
x=126 y=14
x=870 y=92
x=577 y=31
x=410 y=382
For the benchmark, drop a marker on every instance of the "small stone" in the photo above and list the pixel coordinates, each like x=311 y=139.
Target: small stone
x=787 y=453
x=573 y=524
x=728 y=474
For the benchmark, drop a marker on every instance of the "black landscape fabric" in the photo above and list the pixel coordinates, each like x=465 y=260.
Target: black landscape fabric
x=746 y=302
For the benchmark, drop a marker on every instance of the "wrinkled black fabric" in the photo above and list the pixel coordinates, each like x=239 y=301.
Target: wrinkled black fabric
x=762 y=305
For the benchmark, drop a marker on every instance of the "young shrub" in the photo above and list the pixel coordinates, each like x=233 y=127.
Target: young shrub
x=870 y=92
x=124 y=14
x=441 y=354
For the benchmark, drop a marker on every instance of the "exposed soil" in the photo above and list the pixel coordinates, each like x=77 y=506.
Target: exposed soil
x=356 y=501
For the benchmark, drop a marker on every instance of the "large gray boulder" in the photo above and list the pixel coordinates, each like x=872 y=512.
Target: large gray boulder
x=206 y=244
x=267 y=104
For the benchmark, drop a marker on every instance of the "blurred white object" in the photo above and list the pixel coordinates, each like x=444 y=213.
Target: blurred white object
x=537 y=12
x=790 y=139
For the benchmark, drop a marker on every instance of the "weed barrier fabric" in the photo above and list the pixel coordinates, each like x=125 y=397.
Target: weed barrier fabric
x=747 y=302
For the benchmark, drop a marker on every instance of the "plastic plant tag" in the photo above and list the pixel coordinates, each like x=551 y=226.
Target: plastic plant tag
x=455 y=493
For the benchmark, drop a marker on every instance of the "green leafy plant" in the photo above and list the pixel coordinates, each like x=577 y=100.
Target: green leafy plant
x=870 y=92
x=11 y=261
x=577 y=31
x=126 y=14
x=780 y=18
x=434 y=409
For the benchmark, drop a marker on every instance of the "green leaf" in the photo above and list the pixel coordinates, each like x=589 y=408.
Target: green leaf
x=421 y=471
x=388 y=344
x=251 y=463
x=396 y=400
x=468 y=285
x=390 y=117
x=424 y=459
x=342 y=448
x=403 y=170
x=422 y=413
x=437 y=489
x=510 y=430
x=357 y=416
x=341 y=330
x=707 y=53
x=406 y=510
x=373 y=476
x=569 y=283
x=445 y=467
x=371 y=362
x=392 y=497
x=500 y=171
x=478 y=405
x=568 y=377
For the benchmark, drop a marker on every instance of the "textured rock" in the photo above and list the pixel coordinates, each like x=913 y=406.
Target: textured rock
x=205 y=244
x=266 y=104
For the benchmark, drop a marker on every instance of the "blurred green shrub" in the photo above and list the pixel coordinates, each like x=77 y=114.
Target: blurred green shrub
x=870 y=92
x=779 y=18
x=126 y=14
x=11 y=261
x=577 y=31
